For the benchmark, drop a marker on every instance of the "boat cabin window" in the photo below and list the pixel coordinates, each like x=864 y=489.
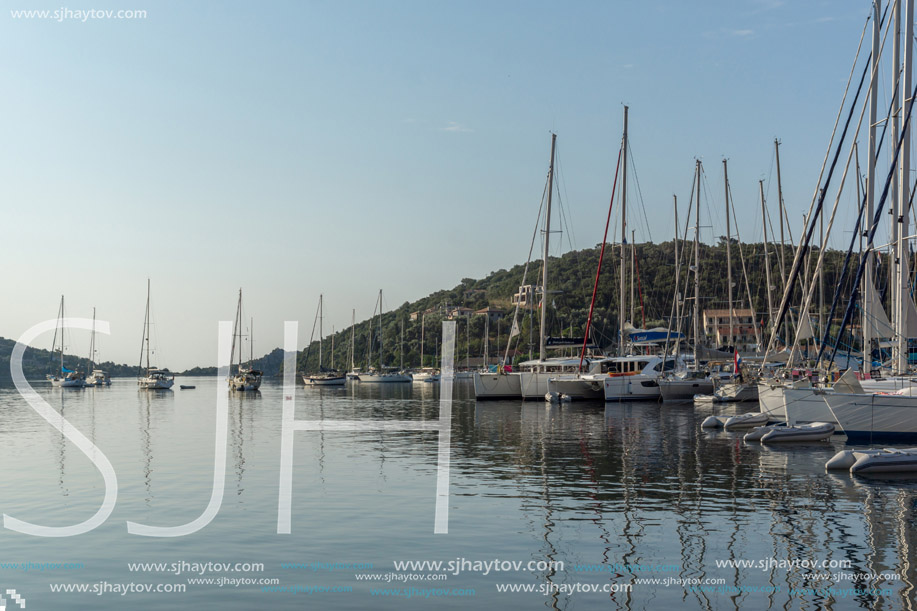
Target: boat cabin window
x=669 y=365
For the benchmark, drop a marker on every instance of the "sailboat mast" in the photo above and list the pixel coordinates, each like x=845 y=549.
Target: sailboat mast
x=61 y=336
x=320 y=333
x=401 y=347
x=353 y=331
x=251 y=342
x=697 y=262
x=332 y=349
x=92 y=342
x=147 y=325
x=904 y=303
x=678 y=299
x=544 y=267
x=380 y=330
x=633 y=263
x=728 y=255
x=767 y=263
x=870 y=284
x=422 y=319
x=621 y=313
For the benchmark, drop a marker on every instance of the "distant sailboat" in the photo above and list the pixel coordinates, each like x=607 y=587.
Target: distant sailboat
x=245 y=378
x=323 y=377
x=65 y=378
x=155 y=379
x=98 y=377
x=381 y=376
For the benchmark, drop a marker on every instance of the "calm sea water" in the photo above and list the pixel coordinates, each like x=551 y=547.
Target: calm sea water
x=614 y=496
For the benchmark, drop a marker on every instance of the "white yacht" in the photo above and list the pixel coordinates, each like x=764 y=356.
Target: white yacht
x=246 y=378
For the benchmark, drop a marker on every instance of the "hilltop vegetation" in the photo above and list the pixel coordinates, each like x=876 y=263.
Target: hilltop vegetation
x=571 y=279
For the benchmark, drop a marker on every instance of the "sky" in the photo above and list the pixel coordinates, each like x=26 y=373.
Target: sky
x=293 y=149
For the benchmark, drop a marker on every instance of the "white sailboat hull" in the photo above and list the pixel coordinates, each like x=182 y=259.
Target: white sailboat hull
x=384 y=378
x=155 y=383
x=873 y=418
x=684 y=390
x=497 y=386
x=324 y=381
x=639 y=387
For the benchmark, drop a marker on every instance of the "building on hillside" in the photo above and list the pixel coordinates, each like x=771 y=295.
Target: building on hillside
x=459 y=312
x=492 y=314
x=716 y=328
x=525 y=298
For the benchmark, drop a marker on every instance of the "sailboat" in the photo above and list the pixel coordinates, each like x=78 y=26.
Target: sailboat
x=354 y=373
x=98 y=377
x=65 y=378
x=245 y=378
x=531 y=381
x=383 y=375
x=155 y=379
x=323 y=377
x=424 y=374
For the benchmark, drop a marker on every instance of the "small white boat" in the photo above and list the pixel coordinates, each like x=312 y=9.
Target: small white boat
x=98 y=377
x=156 y=379
x=327 y=378
x=746 y=421
x=426 y=374
x=886 y=460
x=816 y=431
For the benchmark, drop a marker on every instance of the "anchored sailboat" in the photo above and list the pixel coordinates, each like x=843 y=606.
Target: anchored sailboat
x=324 y=377
x=246 y=377
x=155 y=379
x=65 y=378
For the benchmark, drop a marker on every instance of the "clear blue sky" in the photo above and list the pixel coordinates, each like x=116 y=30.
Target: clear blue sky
x=338 y=147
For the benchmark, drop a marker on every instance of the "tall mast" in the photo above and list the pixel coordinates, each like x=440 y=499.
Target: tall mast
x=678 y=299
x=92 y=342
x=633 y=262
x=487 y=338
x=422 y=318
x=697 y=261
x=251 y=342
x=544 y=267
x=146 y=324
x=895 y=192
x=380 y=329
x=729 y=256
x=904 y=300
x=767 y=264
x=61 y=373
x=237 y=336
x=621 y=313
x=869 y=285
x=320 y=332
x=353 y=330
x=780 y=205
x=332 y=349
